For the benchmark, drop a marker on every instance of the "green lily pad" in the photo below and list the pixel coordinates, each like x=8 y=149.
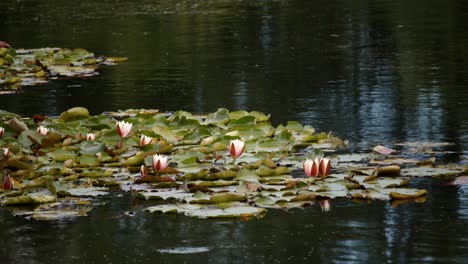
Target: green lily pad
x=234 y=210
x=91 y=147
x=62 y=155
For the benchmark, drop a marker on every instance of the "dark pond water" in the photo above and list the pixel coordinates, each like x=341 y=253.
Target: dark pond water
x=374 y=72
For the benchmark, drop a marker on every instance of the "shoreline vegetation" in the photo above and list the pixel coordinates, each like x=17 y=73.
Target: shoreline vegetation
x=225 y=164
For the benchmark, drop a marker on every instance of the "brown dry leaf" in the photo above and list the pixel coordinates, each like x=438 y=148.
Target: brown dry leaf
x=388 y=170
x=462 y=180
x=253 y=187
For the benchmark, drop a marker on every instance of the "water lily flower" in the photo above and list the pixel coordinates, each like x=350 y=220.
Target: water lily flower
x=143 y=171
x=236 y=147
x=2 y=131
x=325 y=167
x=311 y=167
x=145 y=140
x=325 y=205
x=3 y=44
x=160 y=162
x=6 y=152
x=42 y=130
x=7 y=184
x=123 y=128
x=90 y=136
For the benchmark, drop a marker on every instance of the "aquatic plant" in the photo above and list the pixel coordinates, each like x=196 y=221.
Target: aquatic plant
x=25 y=67
x=64 y=169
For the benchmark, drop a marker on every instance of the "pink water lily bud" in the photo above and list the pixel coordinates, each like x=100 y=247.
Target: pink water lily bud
x=143 y=171
x=2 y=131
x=7 y=184
x=90 y=136
x=123 y=128
x=145 y=140
x=311 y=167
x=160 y=162
x=236 y=148
x=42 y=130
x=325 y=167
x=325 y=205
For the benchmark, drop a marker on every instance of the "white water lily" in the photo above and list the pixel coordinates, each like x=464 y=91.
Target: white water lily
x=160 y=162
x=311 y=167
x=236 y=148
x=42 y=130
x=90 y=136
x=145 y=140
x=6 y=152
x=324 y=167
x=123 y=128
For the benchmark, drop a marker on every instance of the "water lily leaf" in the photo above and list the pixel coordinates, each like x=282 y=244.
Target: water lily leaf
x=176 y=194
x=195 y=136
x=63 y=209
x=88 y=161
x=31 y=198
x=401 y=193
x=53 y=214
x=88 y=191
x=99 y=173
x=238 y=114
x=431 y=172
x=268 y=202
x=136 y=160
x=167 y=133
x=370 y=194
x=399 y=161
x=352 y=158
x=62 y=155
x=269 y=145
x=91 y=147
x=227 y=197
x=74 y=113
x=160 y=147
x=220 y=117
x=16 y=125
x=386 y=182
x=172 y=208
x=234 y=210
x=72 y=71
x=116 y=59
x=260 y=117
x=187 y=158
x=28 y=137
x=18 y=164
x=222 y=175
x=246 y=121
x=247 y=176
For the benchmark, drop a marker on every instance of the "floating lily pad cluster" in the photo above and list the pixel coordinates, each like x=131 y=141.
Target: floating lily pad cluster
x=35 y=66
x=61 y=163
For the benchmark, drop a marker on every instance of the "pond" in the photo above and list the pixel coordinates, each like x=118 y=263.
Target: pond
x=373 y=72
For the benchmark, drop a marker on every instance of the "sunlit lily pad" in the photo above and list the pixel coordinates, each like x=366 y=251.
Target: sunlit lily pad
x=233 y=210
x=431 y=172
